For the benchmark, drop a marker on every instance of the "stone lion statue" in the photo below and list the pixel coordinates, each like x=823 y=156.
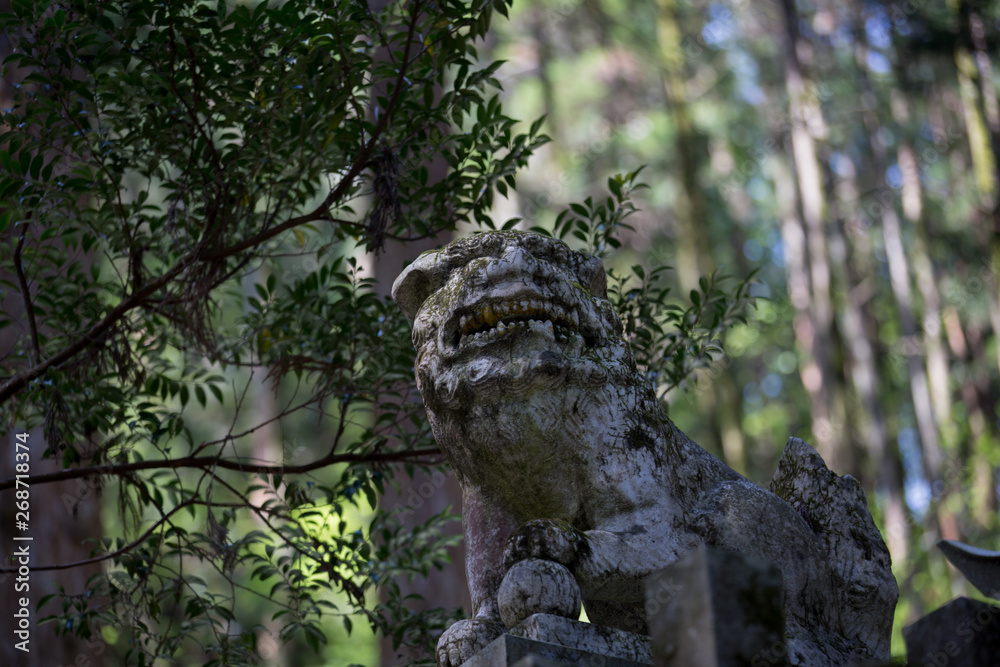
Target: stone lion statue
x=565 y=454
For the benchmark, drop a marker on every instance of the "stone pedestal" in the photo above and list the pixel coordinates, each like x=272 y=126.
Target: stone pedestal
x=963 y=633
x=544 y=640
x=716 y=609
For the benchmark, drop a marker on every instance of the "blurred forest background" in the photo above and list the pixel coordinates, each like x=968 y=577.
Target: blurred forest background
x=848 y=151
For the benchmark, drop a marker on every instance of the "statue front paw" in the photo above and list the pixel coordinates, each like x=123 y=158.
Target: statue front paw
x=545 y=539
x=466 y=638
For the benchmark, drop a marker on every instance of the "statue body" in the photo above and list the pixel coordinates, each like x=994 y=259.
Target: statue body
x=565 y=454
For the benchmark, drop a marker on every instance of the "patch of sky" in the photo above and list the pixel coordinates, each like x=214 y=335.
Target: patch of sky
x=753 y=250
x=771 y=385
x=751 y=92
x=747 y=75
x=841 y=164
x=719 y=29
x=751 y=393
x=878 y=63
x=757 y=189
x=806 y=28
x=915 y=487
x=878 y=28
x=841 y=37
x=778 y=252
x=885 y=135
x=918 y=496
x=894 y=176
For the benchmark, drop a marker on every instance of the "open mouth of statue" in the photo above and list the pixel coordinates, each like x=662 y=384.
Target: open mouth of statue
x=496 y=319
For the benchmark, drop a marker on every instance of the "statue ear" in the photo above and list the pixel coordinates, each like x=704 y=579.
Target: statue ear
x=593 y=276
x=417 y=282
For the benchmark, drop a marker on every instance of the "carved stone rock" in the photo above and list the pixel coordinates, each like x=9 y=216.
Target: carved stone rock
x=536 y=586
x=565 y=454
x=835 y=508
x=980 y=566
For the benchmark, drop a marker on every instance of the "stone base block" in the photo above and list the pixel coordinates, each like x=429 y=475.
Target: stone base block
x=543 y=640
x=963 y=633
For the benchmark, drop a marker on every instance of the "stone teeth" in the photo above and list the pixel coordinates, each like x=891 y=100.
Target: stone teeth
x=490 y=316
x=500 y=328
x=547 y=330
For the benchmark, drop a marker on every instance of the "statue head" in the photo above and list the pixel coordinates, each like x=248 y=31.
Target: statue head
x=503 y=312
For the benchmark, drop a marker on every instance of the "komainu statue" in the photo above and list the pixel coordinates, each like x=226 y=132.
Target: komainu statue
x=565 y=454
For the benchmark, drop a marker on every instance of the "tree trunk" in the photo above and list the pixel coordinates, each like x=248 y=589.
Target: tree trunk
x=805 y=242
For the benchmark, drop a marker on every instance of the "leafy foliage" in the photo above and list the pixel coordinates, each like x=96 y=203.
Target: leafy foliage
x=186 y=187
x=672 y=340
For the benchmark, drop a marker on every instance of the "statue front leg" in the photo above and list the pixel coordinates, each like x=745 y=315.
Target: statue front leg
x=487 y=526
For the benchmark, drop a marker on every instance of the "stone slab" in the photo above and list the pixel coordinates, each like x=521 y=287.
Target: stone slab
x=509 y=650
x=535 y=661
x=963 y=633
x=589 y=637
x=716 y=609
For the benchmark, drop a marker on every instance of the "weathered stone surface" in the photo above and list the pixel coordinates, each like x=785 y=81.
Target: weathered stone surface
x=835 y=508
x=535 y=661
x=597 y=639
x=565 y=454
x=980 y=566
x=536 y=586
x=963 y=633
x=716 y=609
x=465 y=639
x=544 y=640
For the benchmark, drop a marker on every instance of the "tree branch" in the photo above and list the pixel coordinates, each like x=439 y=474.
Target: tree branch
x=95 y=333
x=321 y=212
x=29 y=309
x=413 y=456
